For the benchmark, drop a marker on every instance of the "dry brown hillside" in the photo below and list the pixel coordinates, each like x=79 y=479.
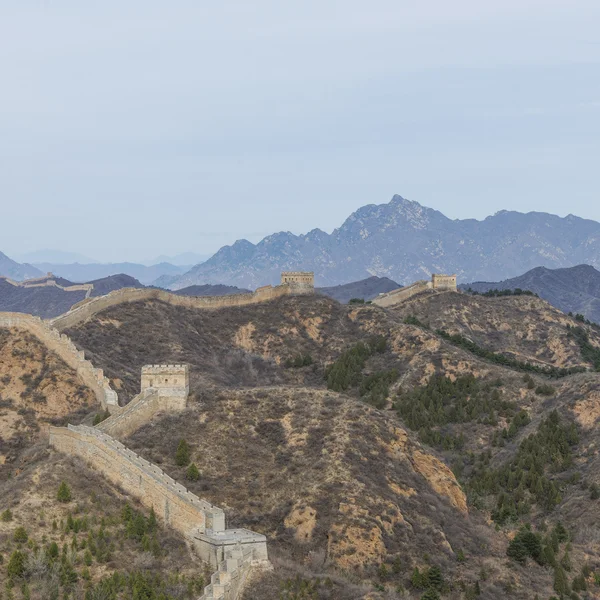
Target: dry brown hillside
x=81 y=547
x=340 y=489
x=362 y=494
x=525 y=327
x=36 y=388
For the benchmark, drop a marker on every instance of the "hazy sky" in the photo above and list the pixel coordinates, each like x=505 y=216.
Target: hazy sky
x=134 y=128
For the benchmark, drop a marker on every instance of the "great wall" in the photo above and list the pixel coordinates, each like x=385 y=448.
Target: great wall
x=440 y=283
x=291 y=284
x=68 y=352
x=49 y=281
x=233 y=553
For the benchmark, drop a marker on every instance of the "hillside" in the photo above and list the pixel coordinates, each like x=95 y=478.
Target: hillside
x=354 y=479
x=14 y=270
x=405 y=242
x=573 y=289
x=36 y=389
x=114 y=282
x=45 y=302
x=366 y=289
x=80 y=547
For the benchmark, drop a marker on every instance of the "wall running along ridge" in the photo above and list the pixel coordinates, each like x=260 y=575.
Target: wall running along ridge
x=47 y=281
x=233 y=552
x=438 y=282
x=67 y=351
x=88 y=308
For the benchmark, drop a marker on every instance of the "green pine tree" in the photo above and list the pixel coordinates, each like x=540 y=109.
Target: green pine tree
x=64 y=493
x=561 y=584
x=16 y=565
x=20 y=535
x=182 y=456
x=192 y=472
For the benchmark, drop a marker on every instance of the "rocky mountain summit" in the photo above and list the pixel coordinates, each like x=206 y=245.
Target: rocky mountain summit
x=405 y=241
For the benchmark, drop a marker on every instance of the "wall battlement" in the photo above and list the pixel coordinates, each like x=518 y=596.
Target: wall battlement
x=67 y=351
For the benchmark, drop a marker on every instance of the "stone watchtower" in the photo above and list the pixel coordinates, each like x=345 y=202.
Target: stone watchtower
x=443 y=282
x=172 y=382
x=300 y=282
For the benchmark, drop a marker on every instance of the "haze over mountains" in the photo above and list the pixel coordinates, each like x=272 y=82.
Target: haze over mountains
x=405 y=241
x=14 y=270
x=86 y=272
x=401 y=240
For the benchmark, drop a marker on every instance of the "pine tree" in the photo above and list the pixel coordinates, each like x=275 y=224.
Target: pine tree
x=182 y=456
x=561 y=584
x=6 y=516
x=152 y=522
x=192 y=473
x=52 y=552
x=16 y=565
x=517 y=550
x=20 y=535
x=434 y=577
x=64 y=493
x=417 y=579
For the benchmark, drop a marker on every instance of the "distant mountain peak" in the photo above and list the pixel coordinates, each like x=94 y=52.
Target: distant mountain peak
x=405 y=241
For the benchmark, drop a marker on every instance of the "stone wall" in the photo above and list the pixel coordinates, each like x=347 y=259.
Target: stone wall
x=172 y=503
x=88 y=308
x=130 y=418
x=163 y=388
x=401 y=294
x=68 y=352
x=232 y=552
x=228 y=580
x=438 y=282
x=47 y=281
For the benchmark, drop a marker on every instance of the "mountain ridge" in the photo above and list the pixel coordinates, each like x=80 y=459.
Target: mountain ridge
x=405 y=241
x=17 y=271
x=572 y=289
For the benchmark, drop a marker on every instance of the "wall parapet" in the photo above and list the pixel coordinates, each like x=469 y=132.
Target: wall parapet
x=67 y=351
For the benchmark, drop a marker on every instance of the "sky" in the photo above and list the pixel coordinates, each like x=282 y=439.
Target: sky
x=139 y=128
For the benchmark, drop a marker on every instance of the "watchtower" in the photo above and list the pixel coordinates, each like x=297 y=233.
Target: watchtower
x=170 y=381
x=300 y=282
x=443 y=282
